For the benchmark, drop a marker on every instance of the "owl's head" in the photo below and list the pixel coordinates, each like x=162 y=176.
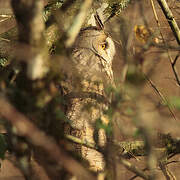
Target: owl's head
x=93 y=53
x=98 y=41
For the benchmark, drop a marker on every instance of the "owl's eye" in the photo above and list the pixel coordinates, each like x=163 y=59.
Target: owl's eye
x=104 y=45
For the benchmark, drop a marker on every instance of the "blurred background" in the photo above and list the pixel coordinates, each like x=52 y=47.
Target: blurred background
x=146 y=99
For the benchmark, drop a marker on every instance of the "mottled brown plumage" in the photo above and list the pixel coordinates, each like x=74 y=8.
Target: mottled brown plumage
x=92 y=60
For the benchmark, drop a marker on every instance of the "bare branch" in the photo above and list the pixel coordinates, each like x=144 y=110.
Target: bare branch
x=164 y=42
x=134 y=169
x=31 y=27
x=173 y=65
x=38 y=138
x=77 y=23
x=161 y=96
x=171 y=20
x=167 y=173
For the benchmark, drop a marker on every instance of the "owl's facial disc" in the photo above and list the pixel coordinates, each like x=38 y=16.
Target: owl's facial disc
x=99 y=43
x=104 y=47
x=110 y=48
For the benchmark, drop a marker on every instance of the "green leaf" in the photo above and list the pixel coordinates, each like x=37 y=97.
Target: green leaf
x=175 y=101
x=101 y=125
x=137 y=133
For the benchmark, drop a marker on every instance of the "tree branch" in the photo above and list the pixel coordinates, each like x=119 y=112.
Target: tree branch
x=170 y=18
x=38 y=138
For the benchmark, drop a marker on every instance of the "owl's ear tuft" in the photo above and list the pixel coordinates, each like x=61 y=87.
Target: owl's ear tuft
x=99 y=24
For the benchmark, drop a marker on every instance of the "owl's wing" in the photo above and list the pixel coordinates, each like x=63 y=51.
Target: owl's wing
x=90 y=65
x=82 y=111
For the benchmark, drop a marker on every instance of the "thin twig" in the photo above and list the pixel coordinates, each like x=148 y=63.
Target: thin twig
x=171 y=20
x=116 y=8
x=172 y=162
x=80 y=141
x=134 y=169
x=4 y=39
x=145 y=169
x=6 y=15
x=77 y=23
x=161 y=96
x=173 y=65
x=167 y=173
x=166 y=47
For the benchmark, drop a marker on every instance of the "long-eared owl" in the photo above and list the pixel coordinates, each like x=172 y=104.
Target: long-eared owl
x=92 y=56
